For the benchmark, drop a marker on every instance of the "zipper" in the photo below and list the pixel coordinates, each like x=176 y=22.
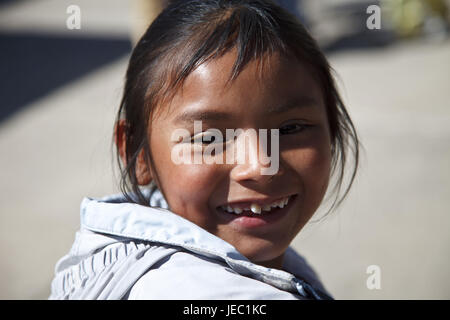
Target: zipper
x=308 y=291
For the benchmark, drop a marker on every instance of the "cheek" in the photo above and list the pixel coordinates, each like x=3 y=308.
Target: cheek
x=187 y=187
x=316 y=165
x=313 y=166
x=191 y=177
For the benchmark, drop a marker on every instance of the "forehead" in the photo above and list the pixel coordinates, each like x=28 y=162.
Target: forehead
x=272 y=79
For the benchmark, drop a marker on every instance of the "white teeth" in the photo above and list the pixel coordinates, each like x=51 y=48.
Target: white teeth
x=255 y=208
x=231 y=210
x=282 y=203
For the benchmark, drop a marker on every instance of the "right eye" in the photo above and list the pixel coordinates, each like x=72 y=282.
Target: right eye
x=205 y=138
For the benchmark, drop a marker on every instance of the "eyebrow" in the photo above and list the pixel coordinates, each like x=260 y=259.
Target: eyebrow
x=297 y=103
x=211 y=115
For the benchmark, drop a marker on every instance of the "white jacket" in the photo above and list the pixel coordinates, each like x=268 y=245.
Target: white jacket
x=129 y=251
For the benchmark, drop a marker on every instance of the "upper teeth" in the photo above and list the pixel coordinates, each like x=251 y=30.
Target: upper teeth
x=256 y=208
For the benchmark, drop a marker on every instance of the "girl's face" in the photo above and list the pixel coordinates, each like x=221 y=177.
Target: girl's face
x=283 y=96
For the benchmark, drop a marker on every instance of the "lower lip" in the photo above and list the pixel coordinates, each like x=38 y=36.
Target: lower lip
x=256 y=220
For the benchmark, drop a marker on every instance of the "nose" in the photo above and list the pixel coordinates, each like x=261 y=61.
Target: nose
x=252 y=162
x=249 y=172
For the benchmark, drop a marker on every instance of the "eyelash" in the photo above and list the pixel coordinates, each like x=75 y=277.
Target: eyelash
x=201 y=136
x=301 y=125
x=302 y=128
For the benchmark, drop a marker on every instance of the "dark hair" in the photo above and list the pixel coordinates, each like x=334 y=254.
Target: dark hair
x=188 y=33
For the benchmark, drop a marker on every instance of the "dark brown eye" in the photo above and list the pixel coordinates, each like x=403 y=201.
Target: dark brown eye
x=205 y=138
x=211 y=139
x=292 y=128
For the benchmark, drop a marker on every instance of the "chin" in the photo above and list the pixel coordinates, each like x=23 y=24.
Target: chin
x=260 y=253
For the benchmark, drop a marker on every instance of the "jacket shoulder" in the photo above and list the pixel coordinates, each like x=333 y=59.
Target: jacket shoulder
x=106 y=273
x=184 y=275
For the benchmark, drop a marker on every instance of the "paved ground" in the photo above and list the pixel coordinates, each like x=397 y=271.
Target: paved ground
x=56 y=150
x=397 y=216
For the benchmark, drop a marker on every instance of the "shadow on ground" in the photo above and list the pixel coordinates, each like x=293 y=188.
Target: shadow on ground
x=33 y=65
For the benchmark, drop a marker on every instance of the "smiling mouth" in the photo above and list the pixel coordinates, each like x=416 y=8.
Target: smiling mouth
x=256 y=209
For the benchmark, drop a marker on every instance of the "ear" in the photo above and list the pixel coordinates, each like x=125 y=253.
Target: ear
x=143 y=173
x=120 y=139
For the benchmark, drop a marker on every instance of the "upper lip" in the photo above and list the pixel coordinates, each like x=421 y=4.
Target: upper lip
x=247 y=202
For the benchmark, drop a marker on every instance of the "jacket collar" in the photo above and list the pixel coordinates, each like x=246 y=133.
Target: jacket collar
x=114 y=216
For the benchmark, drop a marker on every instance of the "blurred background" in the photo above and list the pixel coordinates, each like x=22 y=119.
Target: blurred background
x=60 y=89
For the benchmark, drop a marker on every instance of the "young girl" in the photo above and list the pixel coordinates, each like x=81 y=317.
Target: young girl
x=214 y=229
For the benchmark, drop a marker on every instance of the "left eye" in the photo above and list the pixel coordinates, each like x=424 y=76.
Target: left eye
x=205 y=138
x=292 y=128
